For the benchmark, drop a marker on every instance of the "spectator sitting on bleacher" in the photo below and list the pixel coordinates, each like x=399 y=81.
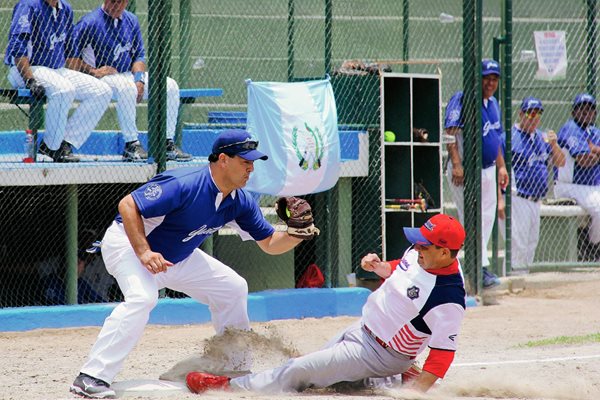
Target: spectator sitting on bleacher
x=531 y=152
x=107 y=43
x=36 y=56
x=580 y=177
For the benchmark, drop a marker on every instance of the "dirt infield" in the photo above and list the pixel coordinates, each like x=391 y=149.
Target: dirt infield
x=491 y=362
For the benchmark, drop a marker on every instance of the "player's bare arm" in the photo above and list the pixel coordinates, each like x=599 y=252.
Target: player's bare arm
x=457 y=168
x=501 y=205
x=372 y=263
x=502 y=172
x=134 y=227
x=24 y=68
x=278 y=243
x=558 y=157
x=139 y=67
x=77 y=64
x=587 y=160
x=424 y=381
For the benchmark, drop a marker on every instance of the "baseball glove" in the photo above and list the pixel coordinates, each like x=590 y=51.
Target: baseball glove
x=297 y=215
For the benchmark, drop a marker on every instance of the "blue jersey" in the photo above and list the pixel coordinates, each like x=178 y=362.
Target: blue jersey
x=39 y=32
x=529 y=162
x=574 y=139
x=101 y=40
x=181 y=207
x=490 y=119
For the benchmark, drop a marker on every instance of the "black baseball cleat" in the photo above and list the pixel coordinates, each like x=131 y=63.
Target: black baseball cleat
x=92 y=388
x=64 y=154
x=134 y=151
x=174 y=153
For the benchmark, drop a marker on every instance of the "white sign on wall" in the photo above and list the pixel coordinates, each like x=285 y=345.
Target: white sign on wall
x=551 y=49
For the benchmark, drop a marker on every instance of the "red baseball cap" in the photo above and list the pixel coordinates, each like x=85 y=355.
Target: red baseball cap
x=441 y=230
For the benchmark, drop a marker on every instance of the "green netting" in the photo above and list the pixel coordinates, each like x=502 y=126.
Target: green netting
x=49 y=209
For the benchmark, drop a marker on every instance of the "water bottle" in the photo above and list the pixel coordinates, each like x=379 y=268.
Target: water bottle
x=29 y=147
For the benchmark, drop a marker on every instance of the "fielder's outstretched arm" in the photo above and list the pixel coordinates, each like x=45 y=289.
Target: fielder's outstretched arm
x=278 y=243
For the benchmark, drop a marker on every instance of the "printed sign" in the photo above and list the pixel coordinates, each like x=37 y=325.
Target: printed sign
x=551 y=49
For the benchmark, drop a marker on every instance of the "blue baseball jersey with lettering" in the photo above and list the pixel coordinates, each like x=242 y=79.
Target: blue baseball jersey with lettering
x=181 y=207
x=101 y=40
x=490 y=119
x=39 y=32
x=529 y=162
x=574 y=139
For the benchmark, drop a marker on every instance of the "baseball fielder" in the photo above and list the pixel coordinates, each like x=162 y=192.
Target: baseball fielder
x=420 y=305
x=36 y=56
x=492 y=157
x=107 y=44
x=153 y=243
x=531 y=152
x=580 y=177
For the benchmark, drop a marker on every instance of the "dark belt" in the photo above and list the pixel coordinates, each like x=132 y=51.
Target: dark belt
x=530 y=198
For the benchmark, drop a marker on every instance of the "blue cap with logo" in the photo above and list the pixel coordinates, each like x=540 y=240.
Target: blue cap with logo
x=490 y=67
x=238 y=142
x=531 y=103
x=584 y=98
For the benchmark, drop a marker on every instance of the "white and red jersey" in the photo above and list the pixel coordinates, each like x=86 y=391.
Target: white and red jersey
x=416 y=308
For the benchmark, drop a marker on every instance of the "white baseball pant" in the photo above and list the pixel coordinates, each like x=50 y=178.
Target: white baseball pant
x=124 y=91
x=525 y=231
x=489 y=203
x=587 y=197
x=352 y=356
x=200 y=276
x=63 y=86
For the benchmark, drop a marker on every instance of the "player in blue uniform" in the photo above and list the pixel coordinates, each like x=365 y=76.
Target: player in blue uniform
x=153 y=244
x=532 y=150
x=492 y=157
x=36 y=56
x=580 y=177
x=107 y=44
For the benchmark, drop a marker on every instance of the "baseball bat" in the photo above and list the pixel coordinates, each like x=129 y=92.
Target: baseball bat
x=403 y=201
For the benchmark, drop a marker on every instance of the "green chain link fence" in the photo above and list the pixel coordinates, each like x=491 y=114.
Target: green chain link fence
x=51 y=212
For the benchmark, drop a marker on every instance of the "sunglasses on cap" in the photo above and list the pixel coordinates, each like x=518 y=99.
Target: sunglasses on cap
x=246 y=145
x=533 y=114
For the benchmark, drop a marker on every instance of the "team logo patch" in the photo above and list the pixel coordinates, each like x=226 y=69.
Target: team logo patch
x=429 y=226
x=24 y=21
x=412 y=292
x=572 y=141
x=454 y=115
x=404 y=265
x=153 y=192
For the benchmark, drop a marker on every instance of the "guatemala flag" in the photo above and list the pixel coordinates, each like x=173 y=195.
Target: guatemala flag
x=296 y=125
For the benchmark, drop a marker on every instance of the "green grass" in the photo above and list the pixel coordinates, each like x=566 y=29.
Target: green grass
x=564 y=340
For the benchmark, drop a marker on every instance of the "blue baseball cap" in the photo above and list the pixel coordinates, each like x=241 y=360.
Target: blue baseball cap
x=490 y=67
x=238 y=142
x=584 y=98
x=531 y=103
